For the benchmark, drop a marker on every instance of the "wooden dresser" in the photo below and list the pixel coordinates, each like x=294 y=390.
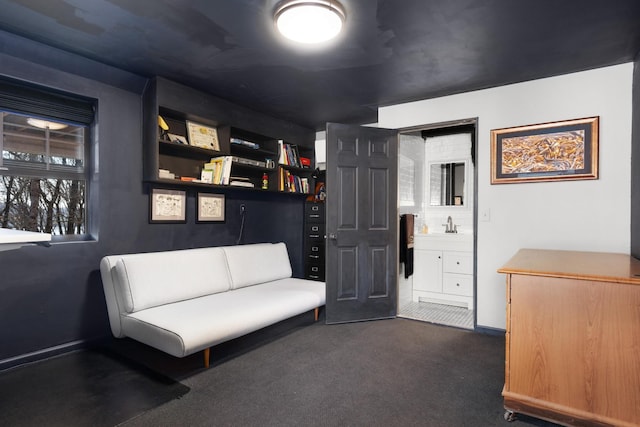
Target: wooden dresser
x=573 y=337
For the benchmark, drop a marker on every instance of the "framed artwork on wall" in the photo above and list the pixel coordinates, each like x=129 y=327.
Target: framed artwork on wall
x=210 y=207
x=167 y=206
x=565 y=150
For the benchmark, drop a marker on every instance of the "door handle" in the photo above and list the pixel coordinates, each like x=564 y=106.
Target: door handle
x=333 y=236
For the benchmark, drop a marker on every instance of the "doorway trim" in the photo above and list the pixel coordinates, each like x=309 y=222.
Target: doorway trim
x=445 y=126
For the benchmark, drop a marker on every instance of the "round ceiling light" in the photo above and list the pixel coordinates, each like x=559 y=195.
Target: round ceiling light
x=45 y=124
x=310 y=22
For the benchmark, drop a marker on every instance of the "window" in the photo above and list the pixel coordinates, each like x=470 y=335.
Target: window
x=43 y=167
x=406 y=176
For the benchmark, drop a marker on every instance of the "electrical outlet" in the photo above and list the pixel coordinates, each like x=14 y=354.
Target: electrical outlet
x=243 y=209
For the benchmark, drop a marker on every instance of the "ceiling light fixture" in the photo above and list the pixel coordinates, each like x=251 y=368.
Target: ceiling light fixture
x=45 y=124
x=310 y=22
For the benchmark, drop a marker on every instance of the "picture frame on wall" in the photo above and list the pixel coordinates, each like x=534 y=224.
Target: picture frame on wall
x=564 y=150
x=167 y=206
x=210 y=207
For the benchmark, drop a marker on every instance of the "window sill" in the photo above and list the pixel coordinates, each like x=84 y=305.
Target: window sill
x=14 y=239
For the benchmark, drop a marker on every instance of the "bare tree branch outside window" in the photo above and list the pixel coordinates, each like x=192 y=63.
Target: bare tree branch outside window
x=43 y=185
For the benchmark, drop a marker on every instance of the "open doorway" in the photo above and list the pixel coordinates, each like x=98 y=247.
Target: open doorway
x=437 y=193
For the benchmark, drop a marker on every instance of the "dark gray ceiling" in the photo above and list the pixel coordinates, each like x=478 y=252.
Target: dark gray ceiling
x=392 y=50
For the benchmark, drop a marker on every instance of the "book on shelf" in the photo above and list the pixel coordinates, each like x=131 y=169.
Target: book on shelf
x=166 y=174
x=241 y=181
x=291 y=183
x=206 y=176
x=245 y=143
x=252 y=162
x=220 y=170
x=289 y=154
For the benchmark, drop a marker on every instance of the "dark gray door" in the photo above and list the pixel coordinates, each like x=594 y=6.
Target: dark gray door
x=362 y=223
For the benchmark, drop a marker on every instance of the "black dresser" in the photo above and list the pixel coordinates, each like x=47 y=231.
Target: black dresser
x=314 y=225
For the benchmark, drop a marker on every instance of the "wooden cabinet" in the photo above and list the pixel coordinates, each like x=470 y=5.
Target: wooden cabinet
x=250 y=139
x=573 y=337
x=443 y=269
x=314 y=241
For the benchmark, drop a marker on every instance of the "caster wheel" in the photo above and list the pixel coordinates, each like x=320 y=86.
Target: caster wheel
x=509 y=415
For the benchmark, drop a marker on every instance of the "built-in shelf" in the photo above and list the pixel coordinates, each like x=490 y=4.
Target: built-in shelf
x=178 y=104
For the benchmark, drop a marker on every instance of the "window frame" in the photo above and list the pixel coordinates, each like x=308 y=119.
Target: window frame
x=74 y=110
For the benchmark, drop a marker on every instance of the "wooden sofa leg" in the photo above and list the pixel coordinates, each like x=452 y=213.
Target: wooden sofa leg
x=316 y=311
x=207 y=352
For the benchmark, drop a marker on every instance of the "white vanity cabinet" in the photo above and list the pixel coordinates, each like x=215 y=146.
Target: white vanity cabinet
x=443 y=269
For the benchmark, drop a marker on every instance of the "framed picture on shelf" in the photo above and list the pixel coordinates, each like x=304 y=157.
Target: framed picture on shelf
x=203 y=136
x=566 y=150
x=210 y=207
x=167 y=206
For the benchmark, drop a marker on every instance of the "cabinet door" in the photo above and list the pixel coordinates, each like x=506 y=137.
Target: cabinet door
x=427 y=271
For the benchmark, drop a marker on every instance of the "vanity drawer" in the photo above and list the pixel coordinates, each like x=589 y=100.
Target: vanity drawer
x=458 y=262
x=457 y=284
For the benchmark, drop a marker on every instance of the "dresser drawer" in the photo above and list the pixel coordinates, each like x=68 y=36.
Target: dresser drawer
x=314 y=230
x=457 y=262
x=457 y=284
x=314 y=212
x=314 y=251
x=314 y=272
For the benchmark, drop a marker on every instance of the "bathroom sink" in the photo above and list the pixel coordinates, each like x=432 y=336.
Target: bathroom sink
x=444 y=241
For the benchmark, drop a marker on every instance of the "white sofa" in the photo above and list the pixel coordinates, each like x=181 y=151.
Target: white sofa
x=189 y=300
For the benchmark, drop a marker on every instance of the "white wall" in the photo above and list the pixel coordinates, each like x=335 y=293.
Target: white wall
x=589 y=215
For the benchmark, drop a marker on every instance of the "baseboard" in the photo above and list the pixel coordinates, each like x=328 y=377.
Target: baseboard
x=489 y=331
x=39 y=355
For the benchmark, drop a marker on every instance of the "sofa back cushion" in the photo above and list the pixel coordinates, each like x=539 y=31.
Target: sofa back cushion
x=151 y=279
x=257 y=263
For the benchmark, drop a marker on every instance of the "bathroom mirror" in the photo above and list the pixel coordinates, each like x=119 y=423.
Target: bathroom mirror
x=447 y=184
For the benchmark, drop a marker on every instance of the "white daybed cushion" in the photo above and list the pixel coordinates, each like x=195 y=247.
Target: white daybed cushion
x=151 y=279
x=257 y=263
x=189 y=326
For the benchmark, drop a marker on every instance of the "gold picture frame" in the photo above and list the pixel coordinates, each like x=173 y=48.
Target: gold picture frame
x=203 y=136
x=564 y=150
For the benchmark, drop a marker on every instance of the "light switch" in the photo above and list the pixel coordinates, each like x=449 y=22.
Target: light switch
x=485 y=215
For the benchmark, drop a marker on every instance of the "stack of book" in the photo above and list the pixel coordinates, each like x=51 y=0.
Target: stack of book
x=217 y=171
x=165 y=174
x=291 y=183
x=289 y=154
x=241 y=181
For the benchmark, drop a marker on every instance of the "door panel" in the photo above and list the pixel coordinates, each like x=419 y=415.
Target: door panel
x=362 y=223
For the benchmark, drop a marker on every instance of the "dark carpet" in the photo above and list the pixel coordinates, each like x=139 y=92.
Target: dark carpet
x=396 y=372
x=82 y=388
x=383 y=373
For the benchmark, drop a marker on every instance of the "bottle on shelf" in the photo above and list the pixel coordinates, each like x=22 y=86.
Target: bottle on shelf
x=265 y=181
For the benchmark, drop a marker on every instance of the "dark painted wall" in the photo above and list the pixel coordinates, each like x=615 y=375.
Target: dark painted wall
x=53 y=296
x=635 y=162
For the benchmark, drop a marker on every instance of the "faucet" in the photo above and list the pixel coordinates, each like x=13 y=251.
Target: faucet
x=450 y=227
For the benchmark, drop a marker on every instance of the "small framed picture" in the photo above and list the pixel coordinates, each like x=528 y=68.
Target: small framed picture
x=203 y=136
x=166 y=206
x=210 y=207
